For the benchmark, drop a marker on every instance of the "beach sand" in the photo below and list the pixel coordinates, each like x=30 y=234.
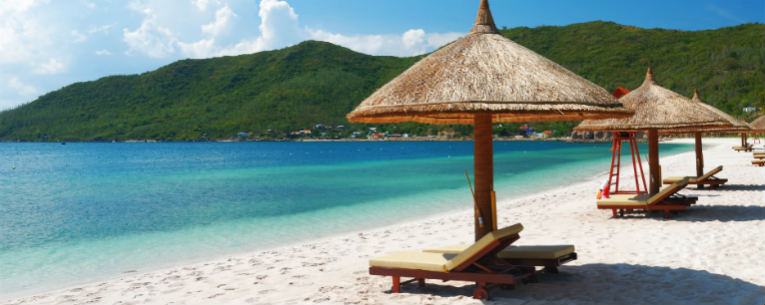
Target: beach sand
x=710 y=254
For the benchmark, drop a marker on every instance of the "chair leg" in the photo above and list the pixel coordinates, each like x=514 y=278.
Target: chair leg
x=551 y=269
x=396 y=284
x=421 y=282
x=480 y=291
x=614 y=211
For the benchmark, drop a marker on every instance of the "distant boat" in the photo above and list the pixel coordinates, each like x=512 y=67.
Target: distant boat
x=63 y=142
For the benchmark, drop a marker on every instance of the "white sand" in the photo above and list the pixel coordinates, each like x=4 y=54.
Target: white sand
x=713 y=253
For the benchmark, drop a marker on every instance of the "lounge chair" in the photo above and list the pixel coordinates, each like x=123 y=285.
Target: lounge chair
x=549 y=257
x=743 y=148
x=758 y=162
x=707 y=179
x=759 y=155
x=478 y=263
x=666 y=200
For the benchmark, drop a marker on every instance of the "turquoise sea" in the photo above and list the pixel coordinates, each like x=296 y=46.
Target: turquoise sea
x=81 y=212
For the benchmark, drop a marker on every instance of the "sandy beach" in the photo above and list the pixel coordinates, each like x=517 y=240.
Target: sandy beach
x=709 y=254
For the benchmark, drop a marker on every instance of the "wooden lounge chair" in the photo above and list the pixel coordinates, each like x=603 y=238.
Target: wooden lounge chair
x=478 y=263
x=666 y=200
x=758 y=162
x=743 y=148
x=549 y=257
x=759 y=155
x=707 y=179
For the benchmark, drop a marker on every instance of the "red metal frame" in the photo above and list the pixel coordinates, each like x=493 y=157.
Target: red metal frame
x=616 y=159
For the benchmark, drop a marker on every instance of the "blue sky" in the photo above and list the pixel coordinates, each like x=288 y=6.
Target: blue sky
x=48 y=44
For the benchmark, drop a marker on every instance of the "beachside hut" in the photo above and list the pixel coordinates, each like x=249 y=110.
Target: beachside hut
x=657 y=109
x=619 y=92
x=480 y=79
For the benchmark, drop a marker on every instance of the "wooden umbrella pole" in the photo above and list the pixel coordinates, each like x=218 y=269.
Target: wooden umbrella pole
x=653 y=161
x=699 y=157
x=743 y=140
x=483 y=171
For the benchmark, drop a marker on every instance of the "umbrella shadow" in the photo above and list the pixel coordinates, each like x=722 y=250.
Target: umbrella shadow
x=610 y=284
x=722 y=213
x=633 y=284
x=741 y=187
x=700 y=213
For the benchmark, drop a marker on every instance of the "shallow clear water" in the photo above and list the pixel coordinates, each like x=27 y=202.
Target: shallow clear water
x=85 y=211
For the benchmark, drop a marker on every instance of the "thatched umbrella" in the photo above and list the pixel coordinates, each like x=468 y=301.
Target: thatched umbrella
x=480 y=79
x=735 y=127
x=758 y=124
x=657 y=109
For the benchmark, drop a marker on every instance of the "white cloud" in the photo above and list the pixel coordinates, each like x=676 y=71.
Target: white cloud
x=279 y=28
x=150 y=38
x=412 y=42
x=279 y=25
x=21 y=88
x=222 y=20
x=101 y=29
x=18 y=6
x=202 y=4
x=52 y=66
x=103 y=52
x=78 y=37
x=413 y=38
x=22 y=37
x=200 y=49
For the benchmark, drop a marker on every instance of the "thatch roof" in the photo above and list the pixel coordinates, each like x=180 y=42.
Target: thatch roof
x=658 y=108
x=486 y=72
x=736 y=125
x=758 y=124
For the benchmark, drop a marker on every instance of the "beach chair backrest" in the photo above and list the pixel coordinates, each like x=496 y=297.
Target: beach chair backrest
x=480 y=247
x=710 y=173
x=668 y=191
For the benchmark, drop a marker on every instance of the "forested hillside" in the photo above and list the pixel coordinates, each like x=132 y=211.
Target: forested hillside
x=269 y=94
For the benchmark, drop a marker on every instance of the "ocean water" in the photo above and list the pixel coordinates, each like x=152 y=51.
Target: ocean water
x=80 y=212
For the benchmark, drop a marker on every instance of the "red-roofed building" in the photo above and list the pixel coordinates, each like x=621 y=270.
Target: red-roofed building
x=619 y=92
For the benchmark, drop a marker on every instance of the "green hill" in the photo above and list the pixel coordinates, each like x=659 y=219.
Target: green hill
x=269 y=94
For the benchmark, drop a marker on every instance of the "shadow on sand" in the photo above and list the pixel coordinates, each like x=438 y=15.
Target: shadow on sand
x=699 y=213
x=739 y=187
x=612 y=284
x=722 y=213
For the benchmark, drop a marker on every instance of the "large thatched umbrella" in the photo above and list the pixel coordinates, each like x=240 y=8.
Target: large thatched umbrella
x=735 y=127
x=657 y=109
x=480 y=79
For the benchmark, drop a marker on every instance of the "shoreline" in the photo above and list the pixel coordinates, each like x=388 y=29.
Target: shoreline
x=183 y=262
x=459 y=221
x=410 y=139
